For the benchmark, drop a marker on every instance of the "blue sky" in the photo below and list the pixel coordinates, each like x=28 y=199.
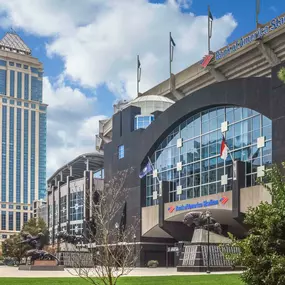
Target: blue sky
x=89 y=52
x=242 y=10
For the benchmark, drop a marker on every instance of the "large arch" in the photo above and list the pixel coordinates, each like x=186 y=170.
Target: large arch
x=252 y=93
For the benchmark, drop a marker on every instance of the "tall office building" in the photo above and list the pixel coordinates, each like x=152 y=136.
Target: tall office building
x=22 y=134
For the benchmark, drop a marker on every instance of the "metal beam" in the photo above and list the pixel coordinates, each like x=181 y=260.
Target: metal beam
x=177 y=94
x=269 y=54
x=219 y=76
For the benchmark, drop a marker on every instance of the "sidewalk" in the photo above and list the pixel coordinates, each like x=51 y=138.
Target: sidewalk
x=7 y=271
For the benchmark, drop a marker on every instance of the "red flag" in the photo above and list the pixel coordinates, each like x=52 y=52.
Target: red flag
x=224 y=149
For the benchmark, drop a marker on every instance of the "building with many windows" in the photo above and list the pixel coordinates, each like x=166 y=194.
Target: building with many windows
x=22 y=135
x=67 y=207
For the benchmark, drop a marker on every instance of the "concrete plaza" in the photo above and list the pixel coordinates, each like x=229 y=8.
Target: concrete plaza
x=7 y=271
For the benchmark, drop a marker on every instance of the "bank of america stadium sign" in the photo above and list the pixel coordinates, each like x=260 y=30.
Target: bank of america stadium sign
x=257 y=34
x=206 y=203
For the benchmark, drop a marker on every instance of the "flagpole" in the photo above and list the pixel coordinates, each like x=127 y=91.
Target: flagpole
x=170 y=60
x=209 y=37
x=257 y=11
x=138 y=75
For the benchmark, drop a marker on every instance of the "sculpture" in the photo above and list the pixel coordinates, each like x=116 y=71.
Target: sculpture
x=37 y=252
x=200 y=220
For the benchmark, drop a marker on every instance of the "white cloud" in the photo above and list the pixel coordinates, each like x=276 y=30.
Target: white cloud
x=98 y=40
x=72 y=124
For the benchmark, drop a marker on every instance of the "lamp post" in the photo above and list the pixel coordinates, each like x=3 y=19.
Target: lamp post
x=208 y=215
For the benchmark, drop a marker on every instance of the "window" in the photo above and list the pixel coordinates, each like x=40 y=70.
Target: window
x=34 y=70
x=11 y=207
x=42 y=155
x=3 y=78
x=63 y=210
x=76 y=229
x=26 y=87
x=3 y=220
x=202 y=166
x=4 y=149
x=11 y=221
x=19 y=85
x=18 y=207
x=19 y=103
x=11 y=155
x=25 y=217
x=12 y=102
x=2 y=62
x=11 y=63
x=26 y=161
x=76 y=206
x=26 y=66
x=99 y=174
x=4 y=236
x=33 y=155
x=3 y=206
x=18 y=65
x=121 y=151
x=142 y=122
x=4 y=100
x=18 y=221
x=12 y=83
x=18 y=155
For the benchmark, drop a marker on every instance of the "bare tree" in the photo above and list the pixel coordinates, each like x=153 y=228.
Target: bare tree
x=111 y=250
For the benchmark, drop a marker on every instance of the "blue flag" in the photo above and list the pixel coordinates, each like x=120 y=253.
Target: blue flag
x=146 y=170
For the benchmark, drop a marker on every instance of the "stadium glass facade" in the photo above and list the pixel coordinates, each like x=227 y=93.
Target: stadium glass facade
x=199 y=153
x=23 y=135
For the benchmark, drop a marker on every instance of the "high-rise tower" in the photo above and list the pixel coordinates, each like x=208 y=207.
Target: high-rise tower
x=22 y=134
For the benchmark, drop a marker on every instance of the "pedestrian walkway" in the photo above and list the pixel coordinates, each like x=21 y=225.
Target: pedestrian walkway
x=7 y=271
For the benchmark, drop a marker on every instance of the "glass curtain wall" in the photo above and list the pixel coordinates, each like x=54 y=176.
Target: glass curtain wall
x=199 y=154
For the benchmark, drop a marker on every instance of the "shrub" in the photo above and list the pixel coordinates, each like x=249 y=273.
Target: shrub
x=152 y=263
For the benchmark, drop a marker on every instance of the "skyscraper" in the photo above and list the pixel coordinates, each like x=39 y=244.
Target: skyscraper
x=22 y=134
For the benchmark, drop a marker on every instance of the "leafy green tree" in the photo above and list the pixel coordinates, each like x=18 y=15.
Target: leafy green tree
x=13 y=248
x=35 y=226
x=263 y=250
x=281 y=74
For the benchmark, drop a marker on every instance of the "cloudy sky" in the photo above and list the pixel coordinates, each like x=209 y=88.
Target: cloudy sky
x=89 y=51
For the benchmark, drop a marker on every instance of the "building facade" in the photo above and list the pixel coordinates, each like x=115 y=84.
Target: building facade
x=22 y=135
x=188 y=174
x=68 y=207
x=40 y=210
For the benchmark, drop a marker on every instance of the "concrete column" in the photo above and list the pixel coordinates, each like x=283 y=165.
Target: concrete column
x=238 y=183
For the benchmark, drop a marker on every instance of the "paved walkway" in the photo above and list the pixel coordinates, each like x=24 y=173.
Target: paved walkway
x=7 y=271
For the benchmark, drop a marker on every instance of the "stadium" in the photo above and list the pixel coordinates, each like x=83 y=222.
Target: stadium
x=178 y=127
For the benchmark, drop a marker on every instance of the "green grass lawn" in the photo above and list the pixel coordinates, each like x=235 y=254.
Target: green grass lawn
x=165 y=280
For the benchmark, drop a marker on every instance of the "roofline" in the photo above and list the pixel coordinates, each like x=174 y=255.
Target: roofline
x=70 y=163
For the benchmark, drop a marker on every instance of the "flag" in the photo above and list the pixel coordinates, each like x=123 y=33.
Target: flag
x=224 y=149
x=146 y=170
x=206 y=60
x=139 y=63
x=172 y=41
x=210 y=15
